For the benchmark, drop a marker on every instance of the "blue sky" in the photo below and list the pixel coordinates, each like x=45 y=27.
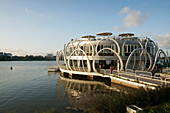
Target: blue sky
x=44 y=26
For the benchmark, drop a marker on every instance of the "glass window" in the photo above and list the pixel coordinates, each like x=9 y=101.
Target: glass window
x=148 y=49
x=125 y=49
x=132 y=48
x=90 y=49
x=113 y=47
x=151 y=50
x=102 y=46
x=87 y=49
x=128 y=48
x=98 y=48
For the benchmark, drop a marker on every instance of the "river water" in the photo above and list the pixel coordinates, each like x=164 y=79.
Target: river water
x=29 y=88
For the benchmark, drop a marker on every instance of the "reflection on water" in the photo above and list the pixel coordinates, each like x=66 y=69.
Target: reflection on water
x=29 y=88
x=53 y=73
x=77 y=91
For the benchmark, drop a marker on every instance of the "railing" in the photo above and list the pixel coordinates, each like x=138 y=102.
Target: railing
x=138 y=75
x=138 y=72
x=115 y=72
x=166 y=70
x=109 y=71
x=102 y=71
x=167 y=83
x=129 y=71
x=153 y=79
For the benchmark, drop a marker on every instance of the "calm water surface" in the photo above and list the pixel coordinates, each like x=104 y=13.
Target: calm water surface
x=29 y=88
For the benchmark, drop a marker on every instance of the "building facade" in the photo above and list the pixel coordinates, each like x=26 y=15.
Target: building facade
x=104 y=51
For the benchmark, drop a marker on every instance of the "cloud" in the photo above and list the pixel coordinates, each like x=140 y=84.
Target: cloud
x=133 y=17
x=119 y=29
x=163 y=40
x=21 y=52
x=14 y=51
x=28 y=11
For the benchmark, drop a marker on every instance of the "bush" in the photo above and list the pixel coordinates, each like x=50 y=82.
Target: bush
x=116 y=102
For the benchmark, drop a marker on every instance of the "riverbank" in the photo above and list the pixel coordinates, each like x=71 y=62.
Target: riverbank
x=110 y=102
x=27 y=58
x=104 y=102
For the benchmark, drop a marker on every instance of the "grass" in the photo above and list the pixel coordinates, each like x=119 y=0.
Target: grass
x=164 y=108
x=116 y=102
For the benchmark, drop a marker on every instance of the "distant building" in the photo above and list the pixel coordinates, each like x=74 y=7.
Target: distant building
x=9 y=55
x=49 y=56
x=5 y=56
x=1 y=53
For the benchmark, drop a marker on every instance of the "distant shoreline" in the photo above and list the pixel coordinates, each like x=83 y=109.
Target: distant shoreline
x=27 y=58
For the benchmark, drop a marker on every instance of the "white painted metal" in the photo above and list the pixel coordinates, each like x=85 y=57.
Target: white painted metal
x=118 y=47
x=125 y=43
x=120 y=59
x=88 y=62
x=156 y=57
x=58 y=57
x=127 y=62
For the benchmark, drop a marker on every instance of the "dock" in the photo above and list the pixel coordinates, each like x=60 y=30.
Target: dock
x=130 y=79
x=53 y=68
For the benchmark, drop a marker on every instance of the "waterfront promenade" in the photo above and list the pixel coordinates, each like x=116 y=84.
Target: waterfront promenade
x=140 y=77
x=130 y=78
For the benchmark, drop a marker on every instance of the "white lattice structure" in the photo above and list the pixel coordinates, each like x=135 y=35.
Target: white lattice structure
x=92 y=55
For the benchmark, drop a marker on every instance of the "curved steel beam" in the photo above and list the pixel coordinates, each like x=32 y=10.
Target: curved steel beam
x=88 y=62
x=78 y=47
x=90 y=44
x=118 y=47
x=139 y=42
x=71 y=42
x=120 y=59
x=127 y=62
x=61 y=51
x=156 y=57
x=153 y=43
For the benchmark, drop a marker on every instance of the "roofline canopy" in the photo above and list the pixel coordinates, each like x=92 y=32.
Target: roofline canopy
x=104 y=34
x=126 y=34
x=88 y=36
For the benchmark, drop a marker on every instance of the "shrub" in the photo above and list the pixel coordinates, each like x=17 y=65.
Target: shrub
x=116 y=102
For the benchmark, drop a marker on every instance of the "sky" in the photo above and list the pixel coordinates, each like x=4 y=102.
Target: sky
x=38 y=27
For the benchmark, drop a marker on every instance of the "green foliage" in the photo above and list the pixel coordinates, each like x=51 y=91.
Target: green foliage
x=107 y=102
x=25 y=58
x=165 y=108
x=4 y=57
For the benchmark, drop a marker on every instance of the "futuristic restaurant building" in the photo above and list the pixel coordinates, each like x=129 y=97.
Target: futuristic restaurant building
x=92 y=54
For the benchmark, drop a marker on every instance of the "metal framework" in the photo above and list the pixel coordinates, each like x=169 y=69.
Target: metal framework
x=81 y=55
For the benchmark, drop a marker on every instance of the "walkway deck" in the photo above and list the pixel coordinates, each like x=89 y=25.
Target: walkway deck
x=128 y=77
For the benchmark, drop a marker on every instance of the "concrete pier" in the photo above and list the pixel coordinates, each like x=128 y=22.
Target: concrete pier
x=132 y=79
